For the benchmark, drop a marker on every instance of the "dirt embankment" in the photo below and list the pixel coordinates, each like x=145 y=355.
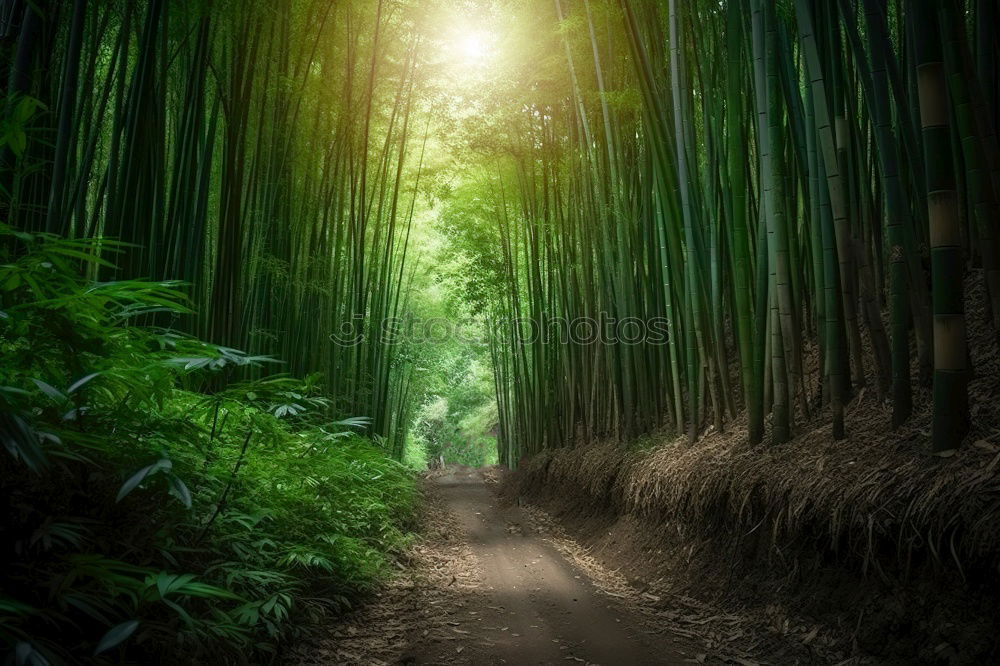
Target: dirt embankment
x=882 y=550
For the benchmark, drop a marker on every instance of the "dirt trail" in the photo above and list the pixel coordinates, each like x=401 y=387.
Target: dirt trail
x=530 y=605
x=487 y=583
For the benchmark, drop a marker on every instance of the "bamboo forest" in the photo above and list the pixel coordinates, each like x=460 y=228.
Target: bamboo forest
x=395 y=332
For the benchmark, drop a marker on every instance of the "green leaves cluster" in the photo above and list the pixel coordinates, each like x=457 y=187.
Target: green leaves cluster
x=155 y=508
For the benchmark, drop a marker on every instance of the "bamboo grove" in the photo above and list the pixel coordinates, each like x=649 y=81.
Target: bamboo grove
x=801 y=190
x=256 y=151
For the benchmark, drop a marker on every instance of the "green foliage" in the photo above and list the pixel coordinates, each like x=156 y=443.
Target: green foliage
x=215 y=138
x=148 y=521
x=443 y=434
x=13 y=126
x=457 y=414
x=415 y=453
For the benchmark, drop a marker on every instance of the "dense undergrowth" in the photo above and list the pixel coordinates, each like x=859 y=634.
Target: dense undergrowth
x=159 y=506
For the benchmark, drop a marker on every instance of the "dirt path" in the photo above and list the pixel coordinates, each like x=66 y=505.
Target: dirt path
x=489 y=583
x=487 y=586
x=532 y=606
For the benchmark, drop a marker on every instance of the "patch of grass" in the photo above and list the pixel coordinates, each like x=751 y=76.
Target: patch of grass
x=415 y=453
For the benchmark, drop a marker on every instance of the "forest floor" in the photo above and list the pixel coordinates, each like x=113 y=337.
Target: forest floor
x=494 y=583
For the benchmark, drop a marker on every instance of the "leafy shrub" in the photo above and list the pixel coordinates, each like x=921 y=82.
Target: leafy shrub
x=147 y=518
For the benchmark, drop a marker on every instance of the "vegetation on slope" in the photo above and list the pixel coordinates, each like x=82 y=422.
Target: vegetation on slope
x=146 y=519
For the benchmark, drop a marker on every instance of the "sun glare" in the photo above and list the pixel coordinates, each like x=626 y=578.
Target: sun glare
x=469 y=48
x=473 y=45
